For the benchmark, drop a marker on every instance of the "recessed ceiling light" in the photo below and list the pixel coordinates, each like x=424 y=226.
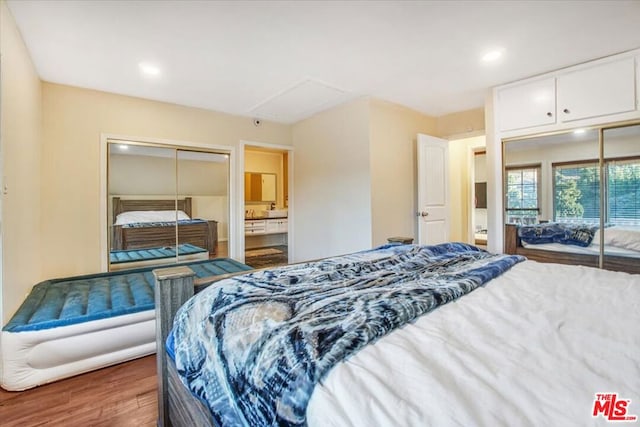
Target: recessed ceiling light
x=492 y=55
x=149 y=69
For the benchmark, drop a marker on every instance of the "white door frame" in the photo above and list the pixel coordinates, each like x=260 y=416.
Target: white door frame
x=233 y=204
x=240 y=212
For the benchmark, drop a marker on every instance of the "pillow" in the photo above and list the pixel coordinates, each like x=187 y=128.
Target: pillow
x=133 y=217
x=625 y=238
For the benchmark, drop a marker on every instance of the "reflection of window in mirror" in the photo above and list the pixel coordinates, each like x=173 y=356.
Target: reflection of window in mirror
x=621 y=176
x=576 y=195
x=621 y=149
x=559 y=165
x=522 y=194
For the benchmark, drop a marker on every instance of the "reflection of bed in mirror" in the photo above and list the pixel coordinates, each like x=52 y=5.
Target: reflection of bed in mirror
x=134 y=233
x=584 y=181
x=621 y=250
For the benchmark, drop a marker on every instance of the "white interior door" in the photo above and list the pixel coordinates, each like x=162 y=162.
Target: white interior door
x=433 y=190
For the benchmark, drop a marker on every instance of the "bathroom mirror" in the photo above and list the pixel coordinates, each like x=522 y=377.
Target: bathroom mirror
x=259 y=187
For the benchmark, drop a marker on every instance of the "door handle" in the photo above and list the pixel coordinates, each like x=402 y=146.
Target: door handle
x=423 y=213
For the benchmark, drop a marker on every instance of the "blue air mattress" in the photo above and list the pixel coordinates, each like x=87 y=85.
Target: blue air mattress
x=73 y=300
x=135 y=255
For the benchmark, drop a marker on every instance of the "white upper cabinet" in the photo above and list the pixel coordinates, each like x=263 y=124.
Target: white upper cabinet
x=528 y=105
x=597 y=91
x=602 y=89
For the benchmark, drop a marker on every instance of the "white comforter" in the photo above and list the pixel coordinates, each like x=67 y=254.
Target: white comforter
x=531 y=348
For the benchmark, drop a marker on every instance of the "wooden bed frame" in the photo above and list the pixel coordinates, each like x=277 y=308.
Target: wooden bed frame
x=204 y=235
x=177 y=407
x=513 y=245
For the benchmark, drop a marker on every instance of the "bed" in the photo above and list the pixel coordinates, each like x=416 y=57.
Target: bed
x=135 y=258
x=131 y=233
x=621 y=249
x=528 y=343
x=73 y=325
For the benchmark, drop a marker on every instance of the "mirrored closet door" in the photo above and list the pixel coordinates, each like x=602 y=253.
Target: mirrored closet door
x=165 y=204
x=562 y=190
x=621 y=197
x=204 y=179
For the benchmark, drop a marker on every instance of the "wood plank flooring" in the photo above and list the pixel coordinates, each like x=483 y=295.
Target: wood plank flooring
x=122 y=395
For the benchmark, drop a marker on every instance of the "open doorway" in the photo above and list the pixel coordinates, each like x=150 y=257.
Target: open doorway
x=462 y=187
x=479 y=211
x=267 y=213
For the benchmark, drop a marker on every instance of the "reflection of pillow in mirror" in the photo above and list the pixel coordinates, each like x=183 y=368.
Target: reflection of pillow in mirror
x=626 y=238
x=133 y=217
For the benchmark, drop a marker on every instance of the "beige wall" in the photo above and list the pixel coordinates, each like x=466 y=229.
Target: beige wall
x=393 y=168
x=332 y=175
x=21 y=141
x=462 y=124
x=460 y=179
x=157 y=176
x=355 y=174
x=74 y=120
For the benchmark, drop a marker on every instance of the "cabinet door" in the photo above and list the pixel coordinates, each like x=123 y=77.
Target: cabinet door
x=597 y=91
x=272 y=226
x=283 y=226
x=527 y=105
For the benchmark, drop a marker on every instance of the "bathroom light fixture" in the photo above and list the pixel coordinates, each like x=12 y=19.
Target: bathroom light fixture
x=123 y=147
x=579 y=131
x=149 y=69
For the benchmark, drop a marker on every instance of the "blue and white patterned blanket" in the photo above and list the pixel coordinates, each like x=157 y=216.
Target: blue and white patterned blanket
x=553 y=232
x=253 y=347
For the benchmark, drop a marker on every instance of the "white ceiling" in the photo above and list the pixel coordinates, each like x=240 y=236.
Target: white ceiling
x=284 y=61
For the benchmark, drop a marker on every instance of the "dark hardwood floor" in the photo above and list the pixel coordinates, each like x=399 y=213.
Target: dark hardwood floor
x=121 y=395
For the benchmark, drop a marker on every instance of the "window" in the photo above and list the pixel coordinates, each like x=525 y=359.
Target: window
x=577 y=194
x=623 y=191
x=523 y=194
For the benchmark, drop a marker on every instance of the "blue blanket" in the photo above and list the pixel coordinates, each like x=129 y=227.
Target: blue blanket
x=567 y=234
x=253 y=347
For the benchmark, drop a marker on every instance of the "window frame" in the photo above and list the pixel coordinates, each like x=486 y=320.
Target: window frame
x=603 y=179
x=569 y=164
x=537 y=167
